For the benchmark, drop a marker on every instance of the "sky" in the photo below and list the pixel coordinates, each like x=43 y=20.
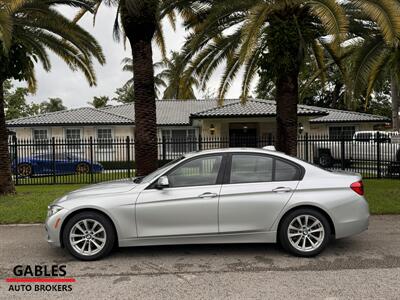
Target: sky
x=73 y=88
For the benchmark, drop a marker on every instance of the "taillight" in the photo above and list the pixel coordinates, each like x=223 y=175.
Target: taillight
x=358 y=187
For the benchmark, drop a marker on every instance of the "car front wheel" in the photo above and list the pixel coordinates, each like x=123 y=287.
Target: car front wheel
x=89 y=236
x=304 y=232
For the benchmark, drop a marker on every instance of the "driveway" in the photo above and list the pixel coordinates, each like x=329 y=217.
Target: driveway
x=366 y=266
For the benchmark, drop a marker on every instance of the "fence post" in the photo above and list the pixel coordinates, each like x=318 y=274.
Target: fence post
x=91 y=159
x=342 y=148
x=15 y=158
x=164 y=148
x=306 y=150
x=53 y=157
x=378 y=154
x=128 y=155
x=200 y=143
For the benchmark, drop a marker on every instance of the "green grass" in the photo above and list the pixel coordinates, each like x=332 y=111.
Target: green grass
x=30 y=203
x=383 y=195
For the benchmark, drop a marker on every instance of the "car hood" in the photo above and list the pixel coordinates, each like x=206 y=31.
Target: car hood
x=111 y=187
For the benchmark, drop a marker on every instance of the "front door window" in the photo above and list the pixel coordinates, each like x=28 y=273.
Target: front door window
x=196 y=172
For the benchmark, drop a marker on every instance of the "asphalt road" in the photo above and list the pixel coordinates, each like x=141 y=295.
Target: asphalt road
x=366 y=266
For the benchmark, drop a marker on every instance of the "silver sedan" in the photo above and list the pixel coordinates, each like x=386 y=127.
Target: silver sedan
x=215 y=196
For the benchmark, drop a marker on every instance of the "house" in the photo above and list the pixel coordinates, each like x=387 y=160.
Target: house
x=188 y=119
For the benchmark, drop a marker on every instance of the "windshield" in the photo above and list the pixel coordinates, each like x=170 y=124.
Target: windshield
x=157 y=172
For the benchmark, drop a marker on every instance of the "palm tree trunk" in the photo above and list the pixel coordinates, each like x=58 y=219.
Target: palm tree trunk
x=395 y=103
x=287 y=96
x=6 y=183
x=140 y=37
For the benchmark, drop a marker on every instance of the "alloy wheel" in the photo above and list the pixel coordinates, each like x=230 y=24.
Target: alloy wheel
x=82 y=168
x=24 y=170
x=88 y=237
x=306 y=233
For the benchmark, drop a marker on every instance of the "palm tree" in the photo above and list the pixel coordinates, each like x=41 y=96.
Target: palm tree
x=159 y=82
x=173 y=77
x=99 y=102
x=28 y=30
x=274 y=35
x=53 y=105
x=141 y=24
x=179 y=84
x=377 y=59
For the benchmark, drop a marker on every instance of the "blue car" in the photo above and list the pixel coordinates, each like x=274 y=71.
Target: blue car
x=63 y=164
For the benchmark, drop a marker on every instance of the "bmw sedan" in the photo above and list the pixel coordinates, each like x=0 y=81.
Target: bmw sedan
x=215 y=196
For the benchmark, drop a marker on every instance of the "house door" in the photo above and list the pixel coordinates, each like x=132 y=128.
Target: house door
x=243 y=137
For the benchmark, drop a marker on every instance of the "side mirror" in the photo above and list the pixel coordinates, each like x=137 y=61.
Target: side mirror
x=162 y=182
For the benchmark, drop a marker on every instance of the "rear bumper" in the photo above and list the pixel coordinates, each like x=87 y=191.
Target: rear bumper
x=351 y=228
x=354 y=221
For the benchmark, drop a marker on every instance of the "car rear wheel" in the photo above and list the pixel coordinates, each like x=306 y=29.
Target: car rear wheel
x=82 y=168
x=24 y=170
x=89 y=236
x=304 y=232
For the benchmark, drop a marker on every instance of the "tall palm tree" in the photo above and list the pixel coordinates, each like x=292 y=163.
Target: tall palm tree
x=53 y=105
x=29 y=29
x=141 y=24
x=377 y=58
x=180 y=84
x=159 y=82
x=275 y=35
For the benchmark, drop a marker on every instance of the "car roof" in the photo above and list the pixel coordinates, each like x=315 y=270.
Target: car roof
x=229 y=150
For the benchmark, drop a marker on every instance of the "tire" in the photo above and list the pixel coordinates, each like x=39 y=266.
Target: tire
x=105 y=238
x=24 y=170
x=82 y=168
x=320 y=238
x=325 y=160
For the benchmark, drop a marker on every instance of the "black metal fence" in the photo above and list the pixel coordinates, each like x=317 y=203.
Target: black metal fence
x=62 y=161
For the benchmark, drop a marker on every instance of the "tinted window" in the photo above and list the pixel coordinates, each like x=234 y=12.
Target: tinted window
x=285 y=171
x=251 y=168
x=337 y=132
x=200 y=171
x=363 y=137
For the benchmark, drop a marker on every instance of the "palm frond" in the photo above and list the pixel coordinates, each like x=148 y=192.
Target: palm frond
x=332 y=16
x=252 y=29
x=385 y=13
x=367 y=57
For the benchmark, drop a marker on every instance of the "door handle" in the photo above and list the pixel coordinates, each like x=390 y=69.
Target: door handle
x=208 y=195
x=282 y=189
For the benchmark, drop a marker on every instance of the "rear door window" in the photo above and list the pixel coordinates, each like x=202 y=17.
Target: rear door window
x=285 y=171
x=248 y=168
x=251 y=168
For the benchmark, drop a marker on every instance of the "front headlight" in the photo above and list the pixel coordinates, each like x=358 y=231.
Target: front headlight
x=53 y=209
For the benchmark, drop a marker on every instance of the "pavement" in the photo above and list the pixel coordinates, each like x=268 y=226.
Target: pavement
x=366 y=266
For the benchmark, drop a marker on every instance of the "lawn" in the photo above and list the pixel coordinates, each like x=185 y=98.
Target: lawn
x=30 y=203
x=383 y=195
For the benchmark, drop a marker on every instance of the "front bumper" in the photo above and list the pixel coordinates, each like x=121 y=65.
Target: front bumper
x=53 y=226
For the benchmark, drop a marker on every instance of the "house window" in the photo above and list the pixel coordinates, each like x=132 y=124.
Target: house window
x=41 y=139
x=73 y=138
x=336 y=132
x=180 y=140
x=104 y=138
